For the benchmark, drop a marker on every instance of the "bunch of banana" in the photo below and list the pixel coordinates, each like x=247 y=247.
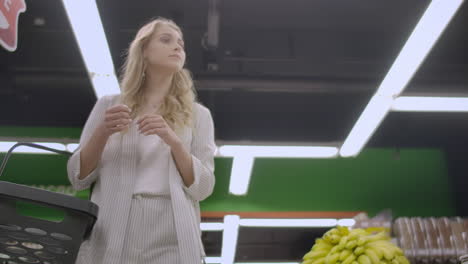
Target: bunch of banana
x=358 y=246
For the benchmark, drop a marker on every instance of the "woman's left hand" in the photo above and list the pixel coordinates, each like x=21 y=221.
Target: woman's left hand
x=156 y=125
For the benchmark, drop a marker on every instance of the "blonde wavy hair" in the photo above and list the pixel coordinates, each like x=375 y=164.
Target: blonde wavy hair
x=177 y=107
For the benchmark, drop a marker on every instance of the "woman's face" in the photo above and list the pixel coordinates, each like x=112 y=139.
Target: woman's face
x=165 y=49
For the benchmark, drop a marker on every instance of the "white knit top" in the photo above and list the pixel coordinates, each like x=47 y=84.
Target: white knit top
x=152 y=166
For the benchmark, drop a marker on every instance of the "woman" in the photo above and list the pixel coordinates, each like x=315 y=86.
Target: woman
x=150 y=152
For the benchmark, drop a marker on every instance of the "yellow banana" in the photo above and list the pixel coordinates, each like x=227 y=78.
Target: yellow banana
x=322 y=246
x=402 y=260
x=335 y=239
x=362 y=240
x=332 y=231
x=354 y=262
x=387 y=252
x=349 y=259
x=344 y=231
x=385 y=243
x=398 y=251
x=388 y=249
x=372 y=255
x=319 y=261
x=375 y=250
x=394 y=249
x=332 y=238
x=335 y=249
x=343 y=241
x=321 y=241
x=377 y=229
x=355 y=233
x=308 y=261
x=363 y=259
x=358 y=251
x=368 y=239
x=332 y=258
x=315 y=254
x=351 y=244
x=344 y=254
x=335 y=231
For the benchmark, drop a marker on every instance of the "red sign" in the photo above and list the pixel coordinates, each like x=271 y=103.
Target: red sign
x=9 y=13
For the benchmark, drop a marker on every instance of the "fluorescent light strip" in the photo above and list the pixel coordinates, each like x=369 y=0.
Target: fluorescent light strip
x=87 y=26
x=72 y=147
x=212 y=226
x=302 y=222
x=230 y=235
x=428 y=30
x=240 y=174
x=212 y=260
x=259 y=222
x=370 y=119
x=106 y=84
x=278 y=151
x=5 y=146
x=244 y=158
x=430 y=104
x=285 y=222
x=346 y=222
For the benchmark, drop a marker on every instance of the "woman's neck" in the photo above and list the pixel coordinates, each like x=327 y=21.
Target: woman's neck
x=156 y=87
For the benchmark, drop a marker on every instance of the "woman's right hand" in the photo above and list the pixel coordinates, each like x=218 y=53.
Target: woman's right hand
x=117 y=118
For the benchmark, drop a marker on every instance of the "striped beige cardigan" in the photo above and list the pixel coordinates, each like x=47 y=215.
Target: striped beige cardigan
x=114 y=180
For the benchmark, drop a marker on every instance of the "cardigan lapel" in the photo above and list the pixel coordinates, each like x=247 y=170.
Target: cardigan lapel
x=123 y=184
x=184 y=215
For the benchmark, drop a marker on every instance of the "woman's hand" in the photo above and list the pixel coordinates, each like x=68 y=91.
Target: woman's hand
x=156 y=125
x=117 y=119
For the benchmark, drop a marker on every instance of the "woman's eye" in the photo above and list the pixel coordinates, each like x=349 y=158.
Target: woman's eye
x=165 y=40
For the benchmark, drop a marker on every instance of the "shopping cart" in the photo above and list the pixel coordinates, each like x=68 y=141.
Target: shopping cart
x=27 y=239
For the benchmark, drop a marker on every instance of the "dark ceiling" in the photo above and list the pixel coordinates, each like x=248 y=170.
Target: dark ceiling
x=295 y=70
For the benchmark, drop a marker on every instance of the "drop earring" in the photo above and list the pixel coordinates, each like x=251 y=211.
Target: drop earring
x=143 y=75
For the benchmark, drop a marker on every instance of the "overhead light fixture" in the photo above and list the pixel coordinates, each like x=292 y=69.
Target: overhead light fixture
x=105 y=84
x=259 y=222
x=241 y=172
x=430 y=104
x=367 y=123
x=300 y=222
x=346 y=222
x=244 y=156
x=212 y=260
x=6 y=145
x=278 y=151
x=427 y=31
x=87 y=26
x=72 y=147
x=230 y=235
x=212 y=226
